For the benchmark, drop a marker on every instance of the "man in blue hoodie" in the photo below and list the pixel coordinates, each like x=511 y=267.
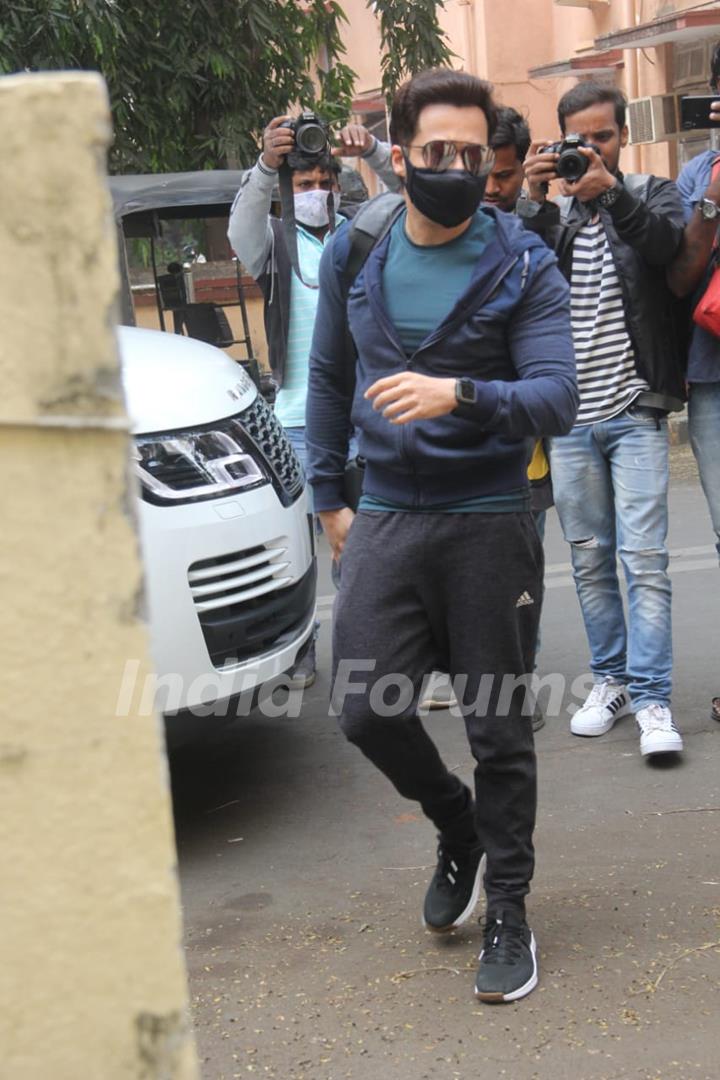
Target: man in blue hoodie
x=459 y=351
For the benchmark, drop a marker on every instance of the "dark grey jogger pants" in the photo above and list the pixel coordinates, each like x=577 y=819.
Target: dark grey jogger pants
x=459 y=593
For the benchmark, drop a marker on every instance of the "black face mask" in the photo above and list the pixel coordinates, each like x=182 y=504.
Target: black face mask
x=447 y=198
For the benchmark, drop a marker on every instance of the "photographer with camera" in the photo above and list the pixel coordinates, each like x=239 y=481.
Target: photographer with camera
x=288 y=279
x=614 y=237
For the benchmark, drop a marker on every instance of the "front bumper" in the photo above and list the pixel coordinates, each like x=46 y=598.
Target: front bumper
x=231 y=593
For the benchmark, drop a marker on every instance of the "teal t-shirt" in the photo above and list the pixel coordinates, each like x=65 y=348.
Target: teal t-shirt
x=421 y=286
x=509 y=503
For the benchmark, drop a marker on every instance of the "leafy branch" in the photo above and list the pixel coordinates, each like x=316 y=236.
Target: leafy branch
x=192 y=83
x=412 y=39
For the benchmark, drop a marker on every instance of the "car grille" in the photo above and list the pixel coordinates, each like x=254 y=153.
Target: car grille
x=247 y=602
x=263 y=427
x=240 y=577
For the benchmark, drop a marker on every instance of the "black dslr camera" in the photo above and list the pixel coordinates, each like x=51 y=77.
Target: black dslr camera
x=571 y=165
x=310 y=134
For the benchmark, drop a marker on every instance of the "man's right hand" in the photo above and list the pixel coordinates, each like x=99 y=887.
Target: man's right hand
x=539 y=170
x=278 y=142
x=336 y=526
x=353 y=141
x=715 y=112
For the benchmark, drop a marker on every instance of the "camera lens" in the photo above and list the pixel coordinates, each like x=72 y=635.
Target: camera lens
x=572 y=165
x=311 y=139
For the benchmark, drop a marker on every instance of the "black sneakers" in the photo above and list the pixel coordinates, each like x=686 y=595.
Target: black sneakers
x=508 y=967
x=454 y=889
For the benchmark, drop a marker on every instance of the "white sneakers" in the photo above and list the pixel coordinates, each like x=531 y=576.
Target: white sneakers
x=658 y=734
x=608 y=701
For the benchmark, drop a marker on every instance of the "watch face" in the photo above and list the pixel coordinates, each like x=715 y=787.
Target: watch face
x=465 y=391
x=609 y=197
x=709 y=209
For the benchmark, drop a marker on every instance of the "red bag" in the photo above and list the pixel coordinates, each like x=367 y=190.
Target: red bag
x=707 y=309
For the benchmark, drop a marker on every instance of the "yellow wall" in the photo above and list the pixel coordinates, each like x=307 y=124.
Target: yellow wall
x=92 y=982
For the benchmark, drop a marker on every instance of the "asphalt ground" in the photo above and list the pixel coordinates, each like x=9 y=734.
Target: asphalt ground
x=303 y=874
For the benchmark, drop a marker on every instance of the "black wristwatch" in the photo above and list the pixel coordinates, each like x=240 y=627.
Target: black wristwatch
x=611 y=196
x=465 y=392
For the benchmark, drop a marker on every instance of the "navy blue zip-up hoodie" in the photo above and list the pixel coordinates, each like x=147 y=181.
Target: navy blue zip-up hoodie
x=509 y=331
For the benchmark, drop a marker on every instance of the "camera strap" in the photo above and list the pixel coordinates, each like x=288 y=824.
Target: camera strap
x=289 y=223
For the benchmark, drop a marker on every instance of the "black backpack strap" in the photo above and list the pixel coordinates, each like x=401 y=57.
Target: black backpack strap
x=371 y=223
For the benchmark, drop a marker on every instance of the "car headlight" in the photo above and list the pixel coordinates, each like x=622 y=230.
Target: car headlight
x=191 y=465
x=237 y=454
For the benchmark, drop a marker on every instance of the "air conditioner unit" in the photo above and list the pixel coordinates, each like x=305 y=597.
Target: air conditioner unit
x=654 y=119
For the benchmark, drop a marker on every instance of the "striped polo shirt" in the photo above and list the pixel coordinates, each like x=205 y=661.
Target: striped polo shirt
x=607 y=379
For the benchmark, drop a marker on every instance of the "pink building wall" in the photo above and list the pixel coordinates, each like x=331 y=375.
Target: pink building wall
x=502 y=40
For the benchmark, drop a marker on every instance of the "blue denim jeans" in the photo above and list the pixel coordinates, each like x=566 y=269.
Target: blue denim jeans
x=610 y=481
x=704 y=428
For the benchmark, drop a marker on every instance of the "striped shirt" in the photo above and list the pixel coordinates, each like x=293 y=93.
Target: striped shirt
x=607 y=379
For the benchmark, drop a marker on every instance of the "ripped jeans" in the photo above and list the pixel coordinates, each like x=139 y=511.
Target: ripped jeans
x=610 y=481
x=704 y=427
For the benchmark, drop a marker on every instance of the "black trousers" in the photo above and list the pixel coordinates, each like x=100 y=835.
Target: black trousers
x=460 y=593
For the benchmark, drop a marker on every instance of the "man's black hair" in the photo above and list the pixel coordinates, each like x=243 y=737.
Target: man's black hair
x=715 y=66
x=438 y=86
x=511 y=130
x=587 y=94
x=300 y=162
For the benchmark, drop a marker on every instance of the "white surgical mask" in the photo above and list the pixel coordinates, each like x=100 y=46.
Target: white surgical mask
x=311 y=207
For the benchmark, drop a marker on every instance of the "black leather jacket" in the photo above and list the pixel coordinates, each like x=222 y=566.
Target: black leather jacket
x=644 y=229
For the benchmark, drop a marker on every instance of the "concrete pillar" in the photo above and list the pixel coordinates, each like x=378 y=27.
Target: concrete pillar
x=92 y=981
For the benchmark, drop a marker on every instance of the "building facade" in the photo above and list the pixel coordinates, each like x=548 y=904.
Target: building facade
x=534 y=50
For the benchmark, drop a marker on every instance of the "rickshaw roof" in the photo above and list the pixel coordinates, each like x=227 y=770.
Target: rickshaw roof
x=206 y=193
x=143 y=197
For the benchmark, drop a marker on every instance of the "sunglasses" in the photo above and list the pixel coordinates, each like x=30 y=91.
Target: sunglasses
x=438 y=155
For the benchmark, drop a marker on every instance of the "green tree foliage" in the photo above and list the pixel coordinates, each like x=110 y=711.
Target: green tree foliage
x=412 y=39
x=191 y=82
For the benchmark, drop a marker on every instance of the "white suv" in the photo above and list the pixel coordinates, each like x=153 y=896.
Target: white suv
x=226 y=536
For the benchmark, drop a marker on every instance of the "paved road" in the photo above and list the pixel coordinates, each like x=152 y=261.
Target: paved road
x=303 y=875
